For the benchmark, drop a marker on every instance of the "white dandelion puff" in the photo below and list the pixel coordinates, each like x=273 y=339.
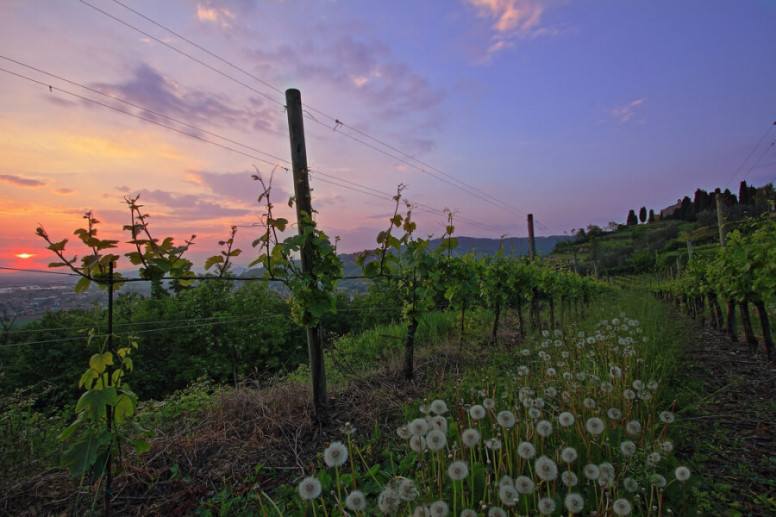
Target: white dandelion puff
x=458 y=470
x=506 y=419
x=418 y=443
x=436 y=440
x=335 y=455
x=595 y=425
x=546 y=469
x=418 y=427
x=658 y=481
x=621 y=507
x=566 y=419
x=309 y=488
x=438 y=407
x=477 y=412
x=544 y=428
x=388 y=501
x=526 y=450
x=356 y=501
x=507 y=494
x=470 y=437
x=628 y=448
x=439 y=509
x=591 y=471
x=666 y=417
x=569 y=478
x=488 y=403
x=682 y=474
x=574 y=503
x=407 y=490
x=495 y=511
x=633 y=428
x=568 y=454
x=546 y=506
x=613 y=413
x=524 y=485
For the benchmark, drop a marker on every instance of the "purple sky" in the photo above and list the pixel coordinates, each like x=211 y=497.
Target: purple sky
x=575 y=111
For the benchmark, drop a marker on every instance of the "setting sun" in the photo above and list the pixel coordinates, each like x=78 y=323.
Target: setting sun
x=25 y=255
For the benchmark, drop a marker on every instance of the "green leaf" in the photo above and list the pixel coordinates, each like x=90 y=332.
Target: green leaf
x=210 y=262
x=58 y=246
x=125 y=407
x=93 y=402
x=88 y=378
x=98 y=362
x=81 y=456
x=83 y=285
x=141 y=445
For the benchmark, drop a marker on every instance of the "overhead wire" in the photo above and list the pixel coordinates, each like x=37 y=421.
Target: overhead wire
x=140 y=117
x=757 y=145
x=402 y=157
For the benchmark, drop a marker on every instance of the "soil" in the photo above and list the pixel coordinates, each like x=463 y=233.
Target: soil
x=731 y=429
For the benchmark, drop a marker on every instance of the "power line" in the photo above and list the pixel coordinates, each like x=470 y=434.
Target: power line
x=162 y=42
x=403 y=157
x=143 y=108
x=735 y=173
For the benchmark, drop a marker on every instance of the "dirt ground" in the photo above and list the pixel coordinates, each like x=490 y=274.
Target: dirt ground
x=731 y=429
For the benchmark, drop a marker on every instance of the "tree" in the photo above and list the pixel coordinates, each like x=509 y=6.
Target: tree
x=632 y=219
x=651 y=217
x=643 y=214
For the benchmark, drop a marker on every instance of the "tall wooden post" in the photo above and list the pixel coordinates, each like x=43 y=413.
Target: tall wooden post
x=304 y=213
x=531 y=239
x=720 y=219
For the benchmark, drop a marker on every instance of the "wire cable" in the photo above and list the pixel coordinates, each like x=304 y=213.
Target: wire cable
x=741 y=166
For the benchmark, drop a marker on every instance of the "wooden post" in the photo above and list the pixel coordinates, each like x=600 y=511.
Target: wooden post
x=531 y=240
x=304 y=213
x=689 y=251
x=720 y=219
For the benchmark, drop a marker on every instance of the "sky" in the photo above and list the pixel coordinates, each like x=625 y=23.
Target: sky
x=573 y=111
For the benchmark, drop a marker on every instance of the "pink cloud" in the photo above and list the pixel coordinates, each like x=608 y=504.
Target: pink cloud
x=628 y=111
x=21 y=182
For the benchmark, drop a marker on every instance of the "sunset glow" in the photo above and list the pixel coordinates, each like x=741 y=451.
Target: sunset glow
x=575 y=112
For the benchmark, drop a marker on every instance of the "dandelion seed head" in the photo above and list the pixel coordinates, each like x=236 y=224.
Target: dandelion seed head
x=438 y=422
x=569 y=478
x=470 y=437
x=544 y=428
x=566 y=419
x=614 y=413
x=546 y=469
x=630 y=484
x=535 y=413
x=418 y=427
x=574 y=502
x=495 y=511
x=506 y=419
x=356 y=501
x=458 y=470
x=488 y=403
x=653 y=458
x=438 y=407
x=507 y=494
x=407 y=490
x=335 y=455
x=506 y=480
x=477 y=412
x=468 y=512
x=309 y=488
x=658 y=480
x=629 y=394
x=439 y=509
x=628 y=448
x=633 y=428
x=589 y=403
x=568 y=454
x=667 y=446
x=493 y=443
x=526 y=450
x=388 y=501
x=404 y=432
x=666 y=417
x=621 y=507
x=595 y=425
x=682 y=473
x=524 y=485
x=418 y=443
x=591 y=471
x=538 y=403
x=436 y=440
x=546 y=506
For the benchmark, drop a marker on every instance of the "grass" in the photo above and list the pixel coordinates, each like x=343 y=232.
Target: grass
x=244 y=450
